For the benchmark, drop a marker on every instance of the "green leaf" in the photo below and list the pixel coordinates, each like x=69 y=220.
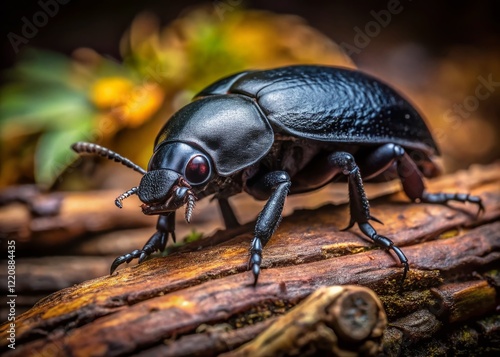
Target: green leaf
x=41 y=66
x=23 y=113
x=54 y=154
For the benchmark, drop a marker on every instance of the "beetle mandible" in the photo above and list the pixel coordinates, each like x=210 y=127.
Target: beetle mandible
x=283 y=131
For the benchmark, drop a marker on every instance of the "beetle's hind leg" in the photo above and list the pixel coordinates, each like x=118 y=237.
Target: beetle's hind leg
x=164 y=227
x=412 y=181
x=383 y=157
x=359 y=205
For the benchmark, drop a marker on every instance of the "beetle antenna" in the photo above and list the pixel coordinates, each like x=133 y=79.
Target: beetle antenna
x=124 y=195
x=191 y=202
x=90 y=148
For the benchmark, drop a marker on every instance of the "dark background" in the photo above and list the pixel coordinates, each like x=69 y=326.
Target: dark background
x=99 y=24
x=436 y=52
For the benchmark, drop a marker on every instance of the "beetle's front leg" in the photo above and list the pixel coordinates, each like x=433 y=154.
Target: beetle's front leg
x=276 y=184
x=359 y=205
x=164 y=227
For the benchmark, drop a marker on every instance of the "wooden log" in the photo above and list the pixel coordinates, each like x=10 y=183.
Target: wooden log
x=155 y=307
x=70 y=216
x=51 y=220
x=332 y=321
x=464 y=301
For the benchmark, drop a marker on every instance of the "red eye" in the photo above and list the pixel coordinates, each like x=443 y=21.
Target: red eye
x=197 y=170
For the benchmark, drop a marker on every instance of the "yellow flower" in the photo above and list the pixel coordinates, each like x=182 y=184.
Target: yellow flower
x=143 y=102
x=130 y=105
x=109 y=92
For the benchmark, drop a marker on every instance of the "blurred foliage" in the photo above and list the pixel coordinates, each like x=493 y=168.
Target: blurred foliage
x=51 y=101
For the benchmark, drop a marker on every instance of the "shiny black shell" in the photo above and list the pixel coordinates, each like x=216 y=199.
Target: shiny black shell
x=229 y=128
x=318 y=103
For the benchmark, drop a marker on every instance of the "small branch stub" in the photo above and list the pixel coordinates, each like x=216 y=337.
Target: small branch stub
x=333 y=321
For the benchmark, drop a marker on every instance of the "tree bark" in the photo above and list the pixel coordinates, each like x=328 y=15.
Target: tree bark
x=201 y=300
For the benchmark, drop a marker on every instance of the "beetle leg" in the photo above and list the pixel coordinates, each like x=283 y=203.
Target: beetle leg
x=411 y=178
x=360 y=207
x=230 y=220
x=158 y=241
x=414 y=187
x=277 y=184
x=380 y=160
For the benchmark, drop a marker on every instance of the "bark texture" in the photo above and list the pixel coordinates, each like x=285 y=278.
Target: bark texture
x=200 y=300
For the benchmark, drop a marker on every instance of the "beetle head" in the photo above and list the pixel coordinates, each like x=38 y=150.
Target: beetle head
x=176 y=170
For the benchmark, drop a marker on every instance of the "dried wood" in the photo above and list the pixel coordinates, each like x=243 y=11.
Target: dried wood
x=203 y=301
x=333 y=321
x=60 y=218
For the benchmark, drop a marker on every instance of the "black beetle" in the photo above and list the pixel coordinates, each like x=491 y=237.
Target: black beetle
x=283 y=131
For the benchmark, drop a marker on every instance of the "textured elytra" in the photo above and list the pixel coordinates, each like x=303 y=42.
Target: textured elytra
x=331 y=104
